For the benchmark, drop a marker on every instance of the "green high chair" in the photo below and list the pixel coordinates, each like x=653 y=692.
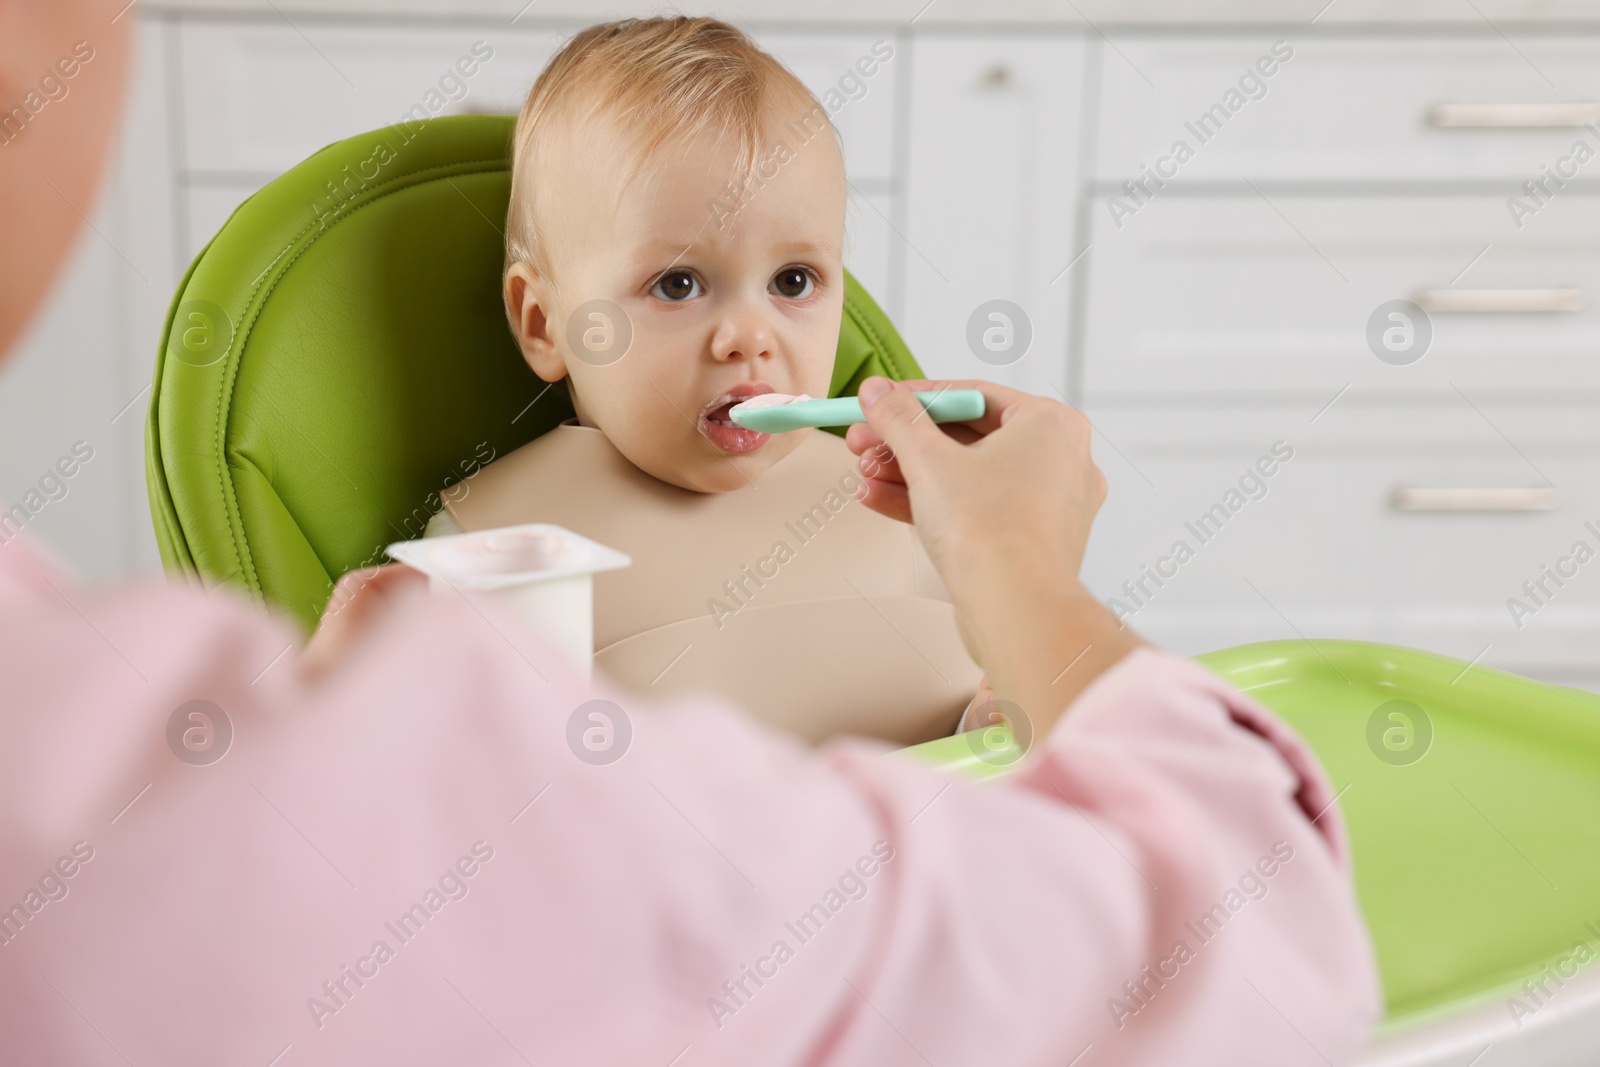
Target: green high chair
x=337 y=355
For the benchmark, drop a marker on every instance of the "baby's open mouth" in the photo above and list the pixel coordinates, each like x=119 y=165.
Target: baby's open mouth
x=718 y=428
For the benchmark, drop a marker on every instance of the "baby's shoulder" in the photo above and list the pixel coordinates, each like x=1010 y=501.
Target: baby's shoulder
x=562 y=452
x=542 y=475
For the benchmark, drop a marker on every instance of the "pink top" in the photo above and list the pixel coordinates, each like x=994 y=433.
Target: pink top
x=409 y=863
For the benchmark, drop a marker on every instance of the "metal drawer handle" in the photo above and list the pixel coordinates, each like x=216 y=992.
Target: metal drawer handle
x=1514 y=498
x=1511 y=116
x=1504 y=301
x=997 y=76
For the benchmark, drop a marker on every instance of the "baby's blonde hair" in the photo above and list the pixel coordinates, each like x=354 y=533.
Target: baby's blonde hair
x=664 y=79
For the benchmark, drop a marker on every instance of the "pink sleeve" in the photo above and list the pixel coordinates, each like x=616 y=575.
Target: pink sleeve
x=421 y=859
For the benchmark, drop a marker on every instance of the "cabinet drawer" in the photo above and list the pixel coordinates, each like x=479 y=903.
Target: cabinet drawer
x=994 y=132
x=1248 y=293
x=1405 y=106
x=261 y=96
x=1326 y=544
x=258 y=97
x=862 y=105
x=867 y=240
x=207 y=208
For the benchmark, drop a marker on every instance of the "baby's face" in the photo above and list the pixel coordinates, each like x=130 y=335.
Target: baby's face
x=722 y=303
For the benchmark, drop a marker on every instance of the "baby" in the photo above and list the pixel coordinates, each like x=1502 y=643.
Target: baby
x=674 y=247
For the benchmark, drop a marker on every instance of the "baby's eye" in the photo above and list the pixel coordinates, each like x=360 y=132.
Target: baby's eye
x=795 y=283
x=676 y=285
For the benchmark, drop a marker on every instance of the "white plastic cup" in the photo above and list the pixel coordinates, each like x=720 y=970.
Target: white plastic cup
x=542 y=573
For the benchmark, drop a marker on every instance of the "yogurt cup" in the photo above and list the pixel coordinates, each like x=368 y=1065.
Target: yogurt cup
x=542 y=573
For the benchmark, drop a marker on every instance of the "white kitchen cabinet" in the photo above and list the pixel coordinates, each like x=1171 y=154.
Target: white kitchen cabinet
x=1356 y=535
x=1231 y=304
x=207 y=207
x=81 y=372
x=1212 y=296
x=260 y=96
x=63 y=387
x=856 y=76
x=991 y=176
x=869 y=243
x=1347 y=107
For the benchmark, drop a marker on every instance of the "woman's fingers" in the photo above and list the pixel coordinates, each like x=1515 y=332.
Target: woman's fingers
x=883 y=485
x=356 y=597
x=996 y=399
x=861 y=436
x=1029 y=459
x=880 y=462
x=890 y=499
x=886 y=488
x=972 y=718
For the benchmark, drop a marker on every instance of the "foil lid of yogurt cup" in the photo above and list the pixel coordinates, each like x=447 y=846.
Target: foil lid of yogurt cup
x=507 y=556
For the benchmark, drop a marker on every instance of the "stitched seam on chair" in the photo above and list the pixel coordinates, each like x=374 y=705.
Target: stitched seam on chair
x=154 y=428
x=877 y=339
x=241 y=542
x=856 y=315
x=236 y=525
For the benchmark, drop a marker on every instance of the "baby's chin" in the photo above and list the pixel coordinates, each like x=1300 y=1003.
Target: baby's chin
x=703 y=468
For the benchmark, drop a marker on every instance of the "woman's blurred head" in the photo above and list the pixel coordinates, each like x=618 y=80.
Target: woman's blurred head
x=63 y=69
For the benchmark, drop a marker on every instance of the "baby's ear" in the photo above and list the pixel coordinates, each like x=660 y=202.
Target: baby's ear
x=527 y=297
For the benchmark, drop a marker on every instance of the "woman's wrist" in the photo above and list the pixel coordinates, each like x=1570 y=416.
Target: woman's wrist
x=1042 y=639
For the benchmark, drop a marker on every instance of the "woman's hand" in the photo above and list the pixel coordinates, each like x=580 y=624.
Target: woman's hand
x=1003 y=505
x=357 y=596
x=972 y=718
x=1028 y=494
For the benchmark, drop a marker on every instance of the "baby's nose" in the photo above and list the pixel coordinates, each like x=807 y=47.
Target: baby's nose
x=742 y=338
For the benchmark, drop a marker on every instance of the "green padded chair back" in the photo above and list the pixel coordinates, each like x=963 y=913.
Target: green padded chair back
x=338 y=355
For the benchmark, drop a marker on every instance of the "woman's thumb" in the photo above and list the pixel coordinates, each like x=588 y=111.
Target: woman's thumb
x=898 y=417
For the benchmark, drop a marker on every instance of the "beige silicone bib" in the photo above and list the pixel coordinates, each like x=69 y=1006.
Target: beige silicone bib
x=789 y=599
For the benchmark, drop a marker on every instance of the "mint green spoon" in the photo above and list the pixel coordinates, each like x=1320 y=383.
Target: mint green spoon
x=950 y=405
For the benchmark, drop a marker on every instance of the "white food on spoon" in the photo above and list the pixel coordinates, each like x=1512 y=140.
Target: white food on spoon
x=766 y=400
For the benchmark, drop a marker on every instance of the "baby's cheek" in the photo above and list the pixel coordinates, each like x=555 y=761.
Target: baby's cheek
x=659 y=439
x=668 y=448
x=820 y=361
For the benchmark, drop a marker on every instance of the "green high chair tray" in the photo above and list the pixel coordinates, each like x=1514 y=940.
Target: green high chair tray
x=337 y=355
